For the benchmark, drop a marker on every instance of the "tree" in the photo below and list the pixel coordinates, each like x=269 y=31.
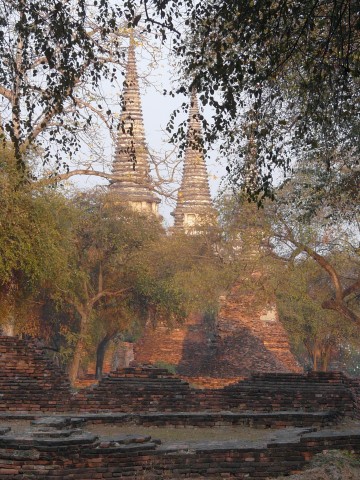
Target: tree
x=172 y=277
x=295 y=64
x=107 y=237
x=314 y=193
x=58 y=61
x=111 y=319
x=125 y=271
x=189 y=274
x=289 y=257
x=54 y=56
x=247 y=228
x=304 y=221
x=35 y=243
x=302 y=82
x=318 y=223
x=344 y=288
x=317 y=336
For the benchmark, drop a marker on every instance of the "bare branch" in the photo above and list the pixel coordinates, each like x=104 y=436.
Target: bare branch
x=8 y=94
x=83 y=103
x=109 y=294
x=65 y=176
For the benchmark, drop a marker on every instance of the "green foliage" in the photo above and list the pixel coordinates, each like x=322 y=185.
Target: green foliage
x=182 y=273
x=246 y=230
x=68 y=345
x=35 y=240
x=125 y=270
x=108 y=236
x=312 y=192
x=282 y=74
x=100 y=289
x=317 y=218
x=309 y=263
x=349 y=359
x=93 y=269
x=317 y=335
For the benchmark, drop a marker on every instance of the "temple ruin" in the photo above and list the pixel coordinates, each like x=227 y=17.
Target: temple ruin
x=294 y=415
x=244 y=338
x=234 y=372
x=194 y=209
x=131 y=183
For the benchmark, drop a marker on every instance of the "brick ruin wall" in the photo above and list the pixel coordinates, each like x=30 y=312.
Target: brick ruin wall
x=189 y=346
x=138 y=389
x=99 y=460
x=244 y=339
x=29 y=381
x=251 y=338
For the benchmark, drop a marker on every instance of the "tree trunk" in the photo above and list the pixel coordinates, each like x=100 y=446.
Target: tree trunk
x=79 y=348
x=340 y=307
x=100 y=354
x=315 y=360
x=8 y=329
x=326 y=358
x=75 y=362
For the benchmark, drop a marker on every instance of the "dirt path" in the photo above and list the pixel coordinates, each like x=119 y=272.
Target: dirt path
x=191 y=434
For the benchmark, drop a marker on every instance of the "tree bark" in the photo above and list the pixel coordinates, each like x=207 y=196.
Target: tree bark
x=315 y=359
x=100 y=354
x=340 y=307
x=75 y=362
x=326 y=358
x=84 y=310
x=79 y=348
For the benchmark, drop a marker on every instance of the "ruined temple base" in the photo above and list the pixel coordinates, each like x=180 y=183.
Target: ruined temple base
x=57 y=443
x=246 y=338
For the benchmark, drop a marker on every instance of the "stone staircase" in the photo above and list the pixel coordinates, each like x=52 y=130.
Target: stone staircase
x=286 y=391
x=137 y=389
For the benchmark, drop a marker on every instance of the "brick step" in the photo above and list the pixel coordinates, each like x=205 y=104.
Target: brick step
x=271 y=385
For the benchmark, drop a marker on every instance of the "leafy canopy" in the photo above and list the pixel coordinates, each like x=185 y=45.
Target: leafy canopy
x=52 y=53
x=286 y=74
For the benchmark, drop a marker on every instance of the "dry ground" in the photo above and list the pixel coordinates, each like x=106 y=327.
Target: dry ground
x=181 y=434
x=331 y=465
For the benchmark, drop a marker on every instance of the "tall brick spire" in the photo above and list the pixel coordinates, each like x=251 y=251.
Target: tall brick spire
x=132 y=184
x=194 y=206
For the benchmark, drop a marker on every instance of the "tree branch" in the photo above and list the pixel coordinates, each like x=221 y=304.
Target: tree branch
x=337 y=304
x=8 y=94
x=108 y=293
x=352 y=288
x=65 y=176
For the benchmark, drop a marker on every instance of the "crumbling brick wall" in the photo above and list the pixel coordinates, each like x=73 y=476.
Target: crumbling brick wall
x=29 y=380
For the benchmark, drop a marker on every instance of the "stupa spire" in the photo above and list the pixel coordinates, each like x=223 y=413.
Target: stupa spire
x=131 y=183
x=194 y=206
